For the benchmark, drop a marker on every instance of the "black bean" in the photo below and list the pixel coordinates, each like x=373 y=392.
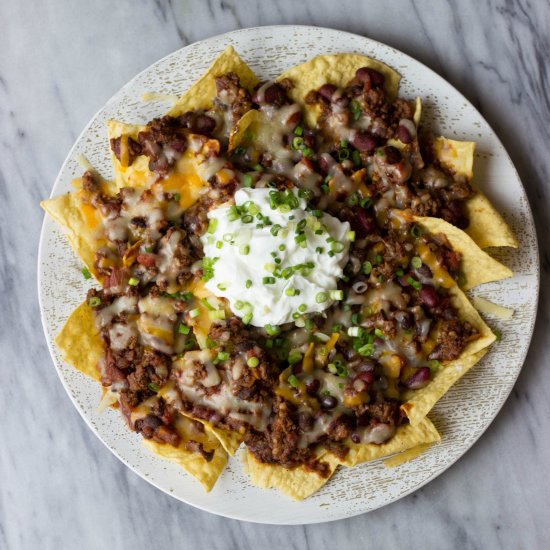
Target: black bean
x=313 y=386
x=328 y=402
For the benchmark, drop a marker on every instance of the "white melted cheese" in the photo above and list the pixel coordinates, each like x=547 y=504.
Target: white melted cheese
x=269 y=303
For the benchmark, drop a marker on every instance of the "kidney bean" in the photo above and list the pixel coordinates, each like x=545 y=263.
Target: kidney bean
x=327 y=90
x=404 y=135
x=363 y=76
x=203 y=124
x=312 y=387
x=363 y=222
x=419 y=379
x=428 y=296
x=364 y=142
x=274 y=94
x=366 y=376
x=329 y=401
x=377 y=79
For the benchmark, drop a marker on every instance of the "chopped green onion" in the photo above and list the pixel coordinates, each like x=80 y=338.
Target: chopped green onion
x=212 y=224
x=355 y=332
x=319 y=250
x=184 y=329
x=207 y=304
x=332 y=368
x=253 y=362
x=221 y=286
x=355 y=109
x=133 y=281
x=153 y=387
x=272 y=330
x=258 y=167
x=223 y=356
x=298 y=130
x=219 y=244
x=378 y=332
x=210 y=343
x=298 y=143
x=247 y=180
x=367 y=349
x=434 y=365
x=290 y=291
x=293 y=381
x=381 y=278
x=356 y=318
x=367 y=268
x=86 y=273
x=247 y=318
x=302 y=308
x=247 y=219
x=416 y=231
x=248 y=283
x=350 y=236
x=240 y=150
x=321 y=297
x=416 y=262
x=268 y=280
x=336 y=294
x=366 y=202
x=414 y=283
x=378 y=259
x=194 y=313
x=353 y=200
x=343 y=154
x=337 y=246
x=244 y=249
x=307 y=152
x=94 y=301
x=177 y=197
x=356 y=158
x=399 y=272
x=294 y=357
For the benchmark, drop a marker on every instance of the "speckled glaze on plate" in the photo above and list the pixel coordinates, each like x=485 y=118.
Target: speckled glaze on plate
x=461 y=416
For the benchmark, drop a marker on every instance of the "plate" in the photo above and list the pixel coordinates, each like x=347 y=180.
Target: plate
x=461 y=416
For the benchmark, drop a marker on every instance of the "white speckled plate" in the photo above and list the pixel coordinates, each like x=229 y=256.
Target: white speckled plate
x=461 y=416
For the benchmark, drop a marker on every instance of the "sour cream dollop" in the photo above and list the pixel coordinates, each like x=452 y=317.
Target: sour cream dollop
x=273 y=260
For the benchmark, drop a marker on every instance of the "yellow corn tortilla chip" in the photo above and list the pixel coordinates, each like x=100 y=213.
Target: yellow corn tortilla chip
x=79 y=341
x=407 y=436
x=422 y=401
x=230 y=441
x=477 y=266
x=79 y=224
x=337 y=69
x=205 y=471
x=203 y=92
x=487 y=227
x=297 y=483
x=81 y=347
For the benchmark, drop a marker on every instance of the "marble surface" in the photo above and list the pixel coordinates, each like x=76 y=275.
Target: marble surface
x=60 y=487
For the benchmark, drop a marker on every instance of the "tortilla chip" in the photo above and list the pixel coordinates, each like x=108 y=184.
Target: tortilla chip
x=80 y=223
x=487 y=227
x=80 y=343
x=421 y=401
x=297 y=483
x=336 y=69
x=138 y=173
x=407 y=436
x=229 y=440
x=205 y=471
x=477 y=266
x=202 y=93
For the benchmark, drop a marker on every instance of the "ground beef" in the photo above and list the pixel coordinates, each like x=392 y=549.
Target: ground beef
x=451 y=339
x=163 y=141
x=232 y=96
x=134 y=149
x=196 y=447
